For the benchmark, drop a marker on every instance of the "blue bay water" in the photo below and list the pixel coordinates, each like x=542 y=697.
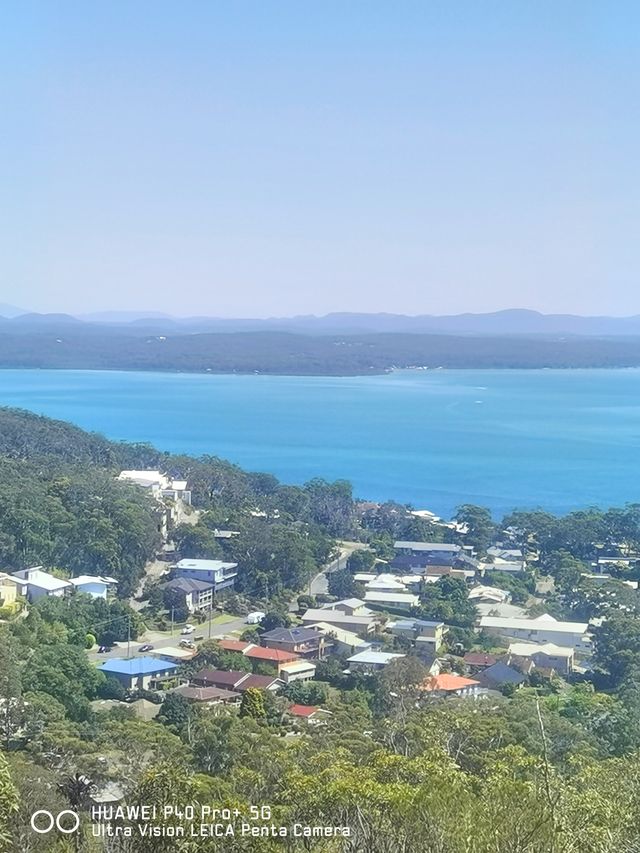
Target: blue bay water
x=502 y=438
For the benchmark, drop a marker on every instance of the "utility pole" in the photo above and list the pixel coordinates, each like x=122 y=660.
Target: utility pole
x=172 y=611
x=212 y=605
x=129 y=635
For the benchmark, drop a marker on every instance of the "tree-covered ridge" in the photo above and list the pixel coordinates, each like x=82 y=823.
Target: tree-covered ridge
x=283 y=353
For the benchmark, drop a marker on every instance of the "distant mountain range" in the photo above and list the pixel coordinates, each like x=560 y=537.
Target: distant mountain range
x=508 y=322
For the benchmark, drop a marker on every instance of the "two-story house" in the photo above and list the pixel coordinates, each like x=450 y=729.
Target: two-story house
x=300 y=641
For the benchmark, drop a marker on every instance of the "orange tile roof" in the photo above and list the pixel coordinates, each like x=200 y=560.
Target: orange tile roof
x=448 y=682
x=303 y=710
x=275 y=655
x=234 y=645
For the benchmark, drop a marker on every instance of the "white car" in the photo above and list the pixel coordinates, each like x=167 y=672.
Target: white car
x=255 y=618
x=188 y=629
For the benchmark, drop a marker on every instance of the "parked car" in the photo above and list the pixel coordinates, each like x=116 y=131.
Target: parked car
x=187 y=644
x=147 y=647
x=104 y=649
x=188 y=629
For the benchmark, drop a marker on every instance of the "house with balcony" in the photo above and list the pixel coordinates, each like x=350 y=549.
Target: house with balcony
x=216 y=572
x=198 y=594
x=303 y=642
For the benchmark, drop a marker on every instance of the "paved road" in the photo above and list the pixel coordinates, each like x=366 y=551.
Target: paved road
x=319 y=585
x=162 y=640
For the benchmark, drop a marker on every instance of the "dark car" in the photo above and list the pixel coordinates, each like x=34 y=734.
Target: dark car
x=103 y=650
x=146 y=648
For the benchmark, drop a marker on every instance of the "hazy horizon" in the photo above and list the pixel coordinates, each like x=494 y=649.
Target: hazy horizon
x=273 y=161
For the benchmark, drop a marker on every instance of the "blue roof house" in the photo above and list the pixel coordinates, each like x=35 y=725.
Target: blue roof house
x=138 y=673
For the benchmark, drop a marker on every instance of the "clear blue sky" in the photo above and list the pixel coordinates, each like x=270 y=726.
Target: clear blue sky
x=269 y=158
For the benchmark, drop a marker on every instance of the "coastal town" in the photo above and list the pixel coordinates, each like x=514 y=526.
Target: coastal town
x=234 y=623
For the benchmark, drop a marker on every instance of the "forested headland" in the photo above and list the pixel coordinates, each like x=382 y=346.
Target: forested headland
x=103 y=348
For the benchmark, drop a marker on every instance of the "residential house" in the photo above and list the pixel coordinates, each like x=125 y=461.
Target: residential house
x=349 y=606
x=298 y=670
x=392 y=600
x=429 y=631
x=508 y=566
x=303 y=642
x=416 y=556
x=198 y=594
x=507 y=555
x=342 y=642
x=222 y=575
x=276 y=657
x=94 y=585
x=235 y=680
x=543 y=629
x=489 y=595
x=385 y=583
x=446 y=684
x=369 y=661
x=174 y=653
x=138 y=673
x=208 y=695
x=10 y=590
x=229 y=644
x=358 y=624
x=477 y=661
x=169 y=494
x=38 y=583
x=160 y=485
x=311 y=713
x=499 y=675
x=434 y=573
x=545 y=656
x=225 y=534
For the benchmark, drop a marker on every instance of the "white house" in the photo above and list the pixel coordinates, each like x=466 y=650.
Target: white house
x=489 y=594
x=297 y=670
x=92 y=585
x=393 y=600
x=386 y=583
x=38 y=583
x=543 y=629
x=160 y=485
x=217 y=572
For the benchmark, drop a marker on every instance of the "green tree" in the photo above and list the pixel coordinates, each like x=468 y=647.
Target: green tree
x=252 y=704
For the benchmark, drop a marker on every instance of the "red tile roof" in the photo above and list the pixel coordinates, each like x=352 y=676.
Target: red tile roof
x=448 y=683
x=234 y=646
x=303 y=710
x=275 y=655
x=480 y=659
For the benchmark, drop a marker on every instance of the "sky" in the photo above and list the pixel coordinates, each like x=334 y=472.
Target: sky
x=277 y=158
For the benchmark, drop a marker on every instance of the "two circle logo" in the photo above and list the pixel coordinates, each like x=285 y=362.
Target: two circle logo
x=43 y=821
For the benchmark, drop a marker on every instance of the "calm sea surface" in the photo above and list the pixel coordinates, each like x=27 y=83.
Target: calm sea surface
x=503 y=438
